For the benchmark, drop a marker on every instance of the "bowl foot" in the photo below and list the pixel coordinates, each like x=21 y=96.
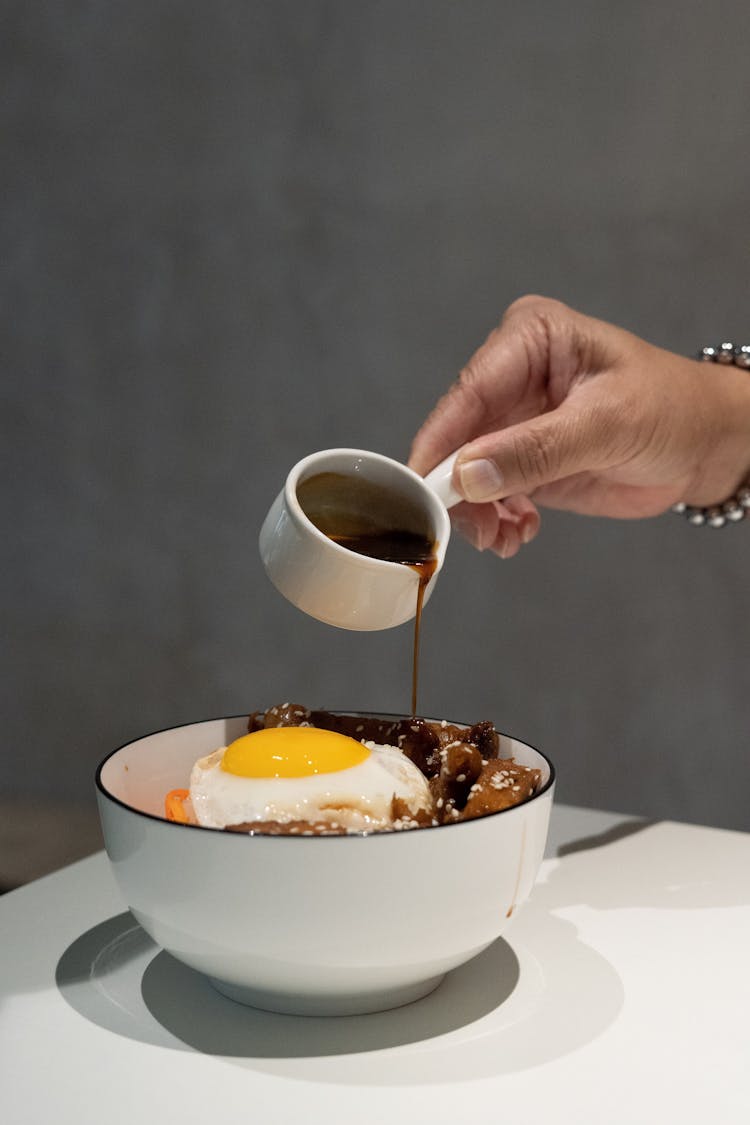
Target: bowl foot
x=347 y=1004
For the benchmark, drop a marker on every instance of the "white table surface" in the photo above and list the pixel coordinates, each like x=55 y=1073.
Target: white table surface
x=621 y=994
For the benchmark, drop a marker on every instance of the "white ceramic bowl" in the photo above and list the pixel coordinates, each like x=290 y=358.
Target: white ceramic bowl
x=314 y=925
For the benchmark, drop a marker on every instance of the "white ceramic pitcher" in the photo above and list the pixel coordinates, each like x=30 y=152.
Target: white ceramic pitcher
x=338 y=585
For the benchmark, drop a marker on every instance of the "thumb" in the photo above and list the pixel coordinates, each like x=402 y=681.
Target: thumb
x=523 y=457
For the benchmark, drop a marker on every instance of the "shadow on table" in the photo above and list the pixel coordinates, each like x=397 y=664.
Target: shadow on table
x=503 y=1011
x=115 y=975
x=521 y=1003
x=643 y=863
x=611 y=835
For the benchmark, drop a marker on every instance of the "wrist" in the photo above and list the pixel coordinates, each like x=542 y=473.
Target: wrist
x=723 y=468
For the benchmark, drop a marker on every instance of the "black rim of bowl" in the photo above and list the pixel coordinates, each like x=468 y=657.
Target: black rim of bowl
x=286 y=836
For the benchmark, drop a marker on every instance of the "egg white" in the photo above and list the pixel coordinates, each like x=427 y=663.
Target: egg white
x=357 y=798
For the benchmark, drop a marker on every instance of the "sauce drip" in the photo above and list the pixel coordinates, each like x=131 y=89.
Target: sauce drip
x=375 y=521
x=425 y=570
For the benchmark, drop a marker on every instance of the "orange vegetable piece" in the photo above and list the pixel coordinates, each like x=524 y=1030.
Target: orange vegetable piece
x=173 y=806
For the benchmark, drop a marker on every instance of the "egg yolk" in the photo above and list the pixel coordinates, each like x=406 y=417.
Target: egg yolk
x=292 y=752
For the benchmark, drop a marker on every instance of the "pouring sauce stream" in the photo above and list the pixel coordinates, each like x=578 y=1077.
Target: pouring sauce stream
x=371 y=520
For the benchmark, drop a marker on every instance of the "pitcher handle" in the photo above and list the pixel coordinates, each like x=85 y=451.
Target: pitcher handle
x=440 y=481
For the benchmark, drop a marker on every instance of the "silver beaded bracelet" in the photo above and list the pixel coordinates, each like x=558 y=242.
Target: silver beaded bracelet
x=736 y=507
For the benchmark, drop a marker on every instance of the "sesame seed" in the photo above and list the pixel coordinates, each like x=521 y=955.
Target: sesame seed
x=440 y=802
x=461 y=777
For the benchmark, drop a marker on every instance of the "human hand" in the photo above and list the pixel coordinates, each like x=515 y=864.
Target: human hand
x=560 y=410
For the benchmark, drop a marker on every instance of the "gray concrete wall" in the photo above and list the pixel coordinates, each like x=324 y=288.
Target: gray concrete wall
x=233 y=233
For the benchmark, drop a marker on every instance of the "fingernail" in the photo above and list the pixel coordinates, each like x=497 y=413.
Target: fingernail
x=469 y=530
x=480 y=480
x=527 y=532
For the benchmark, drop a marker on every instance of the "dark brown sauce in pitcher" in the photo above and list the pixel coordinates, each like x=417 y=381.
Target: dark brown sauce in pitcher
x=375 y=521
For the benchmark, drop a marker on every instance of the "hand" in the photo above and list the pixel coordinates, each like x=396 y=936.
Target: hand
x=560 y=410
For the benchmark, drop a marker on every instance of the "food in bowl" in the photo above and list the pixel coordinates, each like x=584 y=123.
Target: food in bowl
x=303 y=772
x=328 y=924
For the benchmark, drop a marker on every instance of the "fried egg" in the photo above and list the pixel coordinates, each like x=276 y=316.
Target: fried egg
x=305 y=773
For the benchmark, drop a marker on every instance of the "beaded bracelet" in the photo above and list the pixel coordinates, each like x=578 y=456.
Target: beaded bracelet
x=736 y=507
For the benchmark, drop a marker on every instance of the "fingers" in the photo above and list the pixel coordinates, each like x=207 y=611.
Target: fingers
x=578 y=436
x=541 y=401
x=526 y=367
x=508 y=373
x=499 y=526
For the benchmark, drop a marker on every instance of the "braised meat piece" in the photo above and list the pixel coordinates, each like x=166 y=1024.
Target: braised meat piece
x=501 y=783
x=460 y=766
x=467 y=779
